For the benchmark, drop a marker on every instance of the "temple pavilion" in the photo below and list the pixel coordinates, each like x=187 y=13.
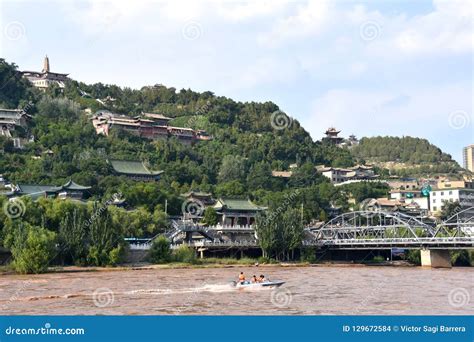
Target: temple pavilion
x=199 y=196
x=69 y=190
x=232 y=212
x=332 y=136
x=135 y=170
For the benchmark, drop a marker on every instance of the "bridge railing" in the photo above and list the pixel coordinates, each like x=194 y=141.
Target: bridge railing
x=140 y=247
x=467 y=241
x=235 y=227
x=238 y=243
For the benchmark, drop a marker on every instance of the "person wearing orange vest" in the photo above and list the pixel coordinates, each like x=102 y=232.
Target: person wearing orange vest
x=241 y=277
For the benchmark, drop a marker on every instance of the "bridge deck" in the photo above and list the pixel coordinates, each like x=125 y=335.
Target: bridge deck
x=428 y=243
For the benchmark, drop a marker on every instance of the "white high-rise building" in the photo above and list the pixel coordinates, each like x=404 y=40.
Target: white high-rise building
x=468 y=157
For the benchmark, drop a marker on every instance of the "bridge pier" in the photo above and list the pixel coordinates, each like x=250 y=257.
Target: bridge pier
x=435 y=258
x=201 y=252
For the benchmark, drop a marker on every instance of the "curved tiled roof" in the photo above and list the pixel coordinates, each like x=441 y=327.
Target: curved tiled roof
x=236 y=204
x=132 y=168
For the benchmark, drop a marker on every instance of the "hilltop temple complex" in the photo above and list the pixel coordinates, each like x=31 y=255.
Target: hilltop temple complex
x=148 y=125
x=45 y=78
x=332 y=136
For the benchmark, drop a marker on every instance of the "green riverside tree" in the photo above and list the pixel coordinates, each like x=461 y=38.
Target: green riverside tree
x=33 y=249
x=160 y=251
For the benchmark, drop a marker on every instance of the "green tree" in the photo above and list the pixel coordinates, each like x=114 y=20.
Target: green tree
x=266 y=234
x=413 y=256
x=279 y=232
x=73 y=237
x=104 y=238
x=230 y=189
x=32 y=249
x=304 y=176
x=260 y=176
x=233 y=168
x=184 y=254
x=14 y=87
x=210 y=216
x=160 y=251
x=449 y=209
x=293 y=232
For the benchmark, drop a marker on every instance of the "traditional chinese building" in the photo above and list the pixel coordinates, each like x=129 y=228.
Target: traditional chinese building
x=352 y=140
x=151 y=126
x=45 y=78
x=404 y=184
x=198 y=196
x=11 y=119
x=159 y=119
x=185 y=135
x=233 y=212
x=332 y=136
x=135 y=170
x=339 y=175
x=70 y=190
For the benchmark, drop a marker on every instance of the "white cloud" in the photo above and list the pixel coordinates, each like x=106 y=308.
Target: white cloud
x=266 y=70
x=425 y=112
x=310 y=19
x=239 y=11
x=446 y=30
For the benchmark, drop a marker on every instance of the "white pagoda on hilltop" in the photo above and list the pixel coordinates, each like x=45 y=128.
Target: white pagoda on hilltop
x=45 y=78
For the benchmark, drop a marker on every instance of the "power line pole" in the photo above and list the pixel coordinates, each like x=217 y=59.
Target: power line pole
x=302 y=208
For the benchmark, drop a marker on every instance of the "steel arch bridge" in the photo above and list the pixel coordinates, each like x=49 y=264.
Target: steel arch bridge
x=353 y=230
x=458 y=225
x=382 y=229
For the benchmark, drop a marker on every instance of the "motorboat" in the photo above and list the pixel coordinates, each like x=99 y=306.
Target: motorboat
x=266 y=284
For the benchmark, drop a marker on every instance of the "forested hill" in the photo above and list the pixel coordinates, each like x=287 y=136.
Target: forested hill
x=249 y=141
x=404 y=151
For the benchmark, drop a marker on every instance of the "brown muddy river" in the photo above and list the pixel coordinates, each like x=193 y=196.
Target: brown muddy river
x=308 y=291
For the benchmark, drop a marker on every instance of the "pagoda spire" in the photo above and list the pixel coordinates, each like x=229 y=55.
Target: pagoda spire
x=46 y=64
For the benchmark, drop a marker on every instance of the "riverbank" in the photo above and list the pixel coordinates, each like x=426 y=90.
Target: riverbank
x=232 y=263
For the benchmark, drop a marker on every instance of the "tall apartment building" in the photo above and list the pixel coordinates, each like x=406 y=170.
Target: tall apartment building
x=468 y=157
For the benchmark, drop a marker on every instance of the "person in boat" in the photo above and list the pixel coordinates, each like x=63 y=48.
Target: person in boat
x=241 y=277
x=262 y=279
x=254 y=279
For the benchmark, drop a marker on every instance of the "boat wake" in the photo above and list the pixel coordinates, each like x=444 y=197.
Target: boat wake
x=204 y=288
x=213 y=288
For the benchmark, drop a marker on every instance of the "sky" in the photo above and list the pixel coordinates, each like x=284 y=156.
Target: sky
x=368 y=68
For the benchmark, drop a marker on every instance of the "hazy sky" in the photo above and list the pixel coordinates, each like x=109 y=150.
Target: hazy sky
x=367 y=68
